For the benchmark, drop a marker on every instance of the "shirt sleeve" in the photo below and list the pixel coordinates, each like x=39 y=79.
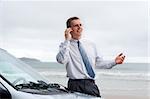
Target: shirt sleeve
x=63 y=54
x=103 y=64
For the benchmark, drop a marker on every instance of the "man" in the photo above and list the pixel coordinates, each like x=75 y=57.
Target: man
x=80 y=58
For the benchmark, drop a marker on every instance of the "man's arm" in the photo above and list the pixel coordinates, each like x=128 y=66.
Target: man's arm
x=62 y=56
x=101 y=64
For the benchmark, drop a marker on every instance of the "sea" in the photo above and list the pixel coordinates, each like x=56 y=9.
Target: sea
x=127 y=79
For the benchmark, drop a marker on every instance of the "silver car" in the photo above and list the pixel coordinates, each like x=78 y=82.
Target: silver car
x=19 y=81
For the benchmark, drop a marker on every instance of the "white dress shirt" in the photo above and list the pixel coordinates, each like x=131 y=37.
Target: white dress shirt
x=70 y=56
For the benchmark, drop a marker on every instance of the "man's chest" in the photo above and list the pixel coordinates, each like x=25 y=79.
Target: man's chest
x=75 y=53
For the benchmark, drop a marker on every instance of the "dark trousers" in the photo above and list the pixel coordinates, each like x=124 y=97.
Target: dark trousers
x=86 y=86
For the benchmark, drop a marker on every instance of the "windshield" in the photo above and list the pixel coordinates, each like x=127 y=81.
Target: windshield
x=16 y=71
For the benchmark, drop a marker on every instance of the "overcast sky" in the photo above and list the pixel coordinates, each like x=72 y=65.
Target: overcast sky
x=36 y=28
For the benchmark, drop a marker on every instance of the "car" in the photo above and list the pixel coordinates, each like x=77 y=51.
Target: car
x=20 y=81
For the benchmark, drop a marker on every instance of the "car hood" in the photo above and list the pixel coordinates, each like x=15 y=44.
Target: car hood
x=66 y=96
x=75 y=95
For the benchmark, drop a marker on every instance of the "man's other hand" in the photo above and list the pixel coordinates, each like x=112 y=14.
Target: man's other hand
x=120 y=58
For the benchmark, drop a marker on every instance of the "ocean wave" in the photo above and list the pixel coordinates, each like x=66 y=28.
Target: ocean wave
x=126 y=75
x=53 y=73
x=113 y=74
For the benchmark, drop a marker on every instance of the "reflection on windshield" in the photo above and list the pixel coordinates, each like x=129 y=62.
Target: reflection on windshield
x=16 y=71
x=13 y=73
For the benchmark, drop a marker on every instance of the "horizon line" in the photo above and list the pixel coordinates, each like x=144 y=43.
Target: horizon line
x=127 y=60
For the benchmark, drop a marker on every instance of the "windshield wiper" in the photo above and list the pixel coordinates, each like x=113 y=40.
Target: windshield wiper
x=41 y=85
x=52 y=85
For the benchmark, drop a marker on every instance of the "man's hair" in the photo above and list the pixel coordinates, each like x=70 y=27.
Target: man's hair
x=68 y=23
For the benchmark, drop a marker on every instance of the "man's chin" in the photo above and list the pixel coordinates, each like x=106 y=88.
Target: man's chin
x=77 y=38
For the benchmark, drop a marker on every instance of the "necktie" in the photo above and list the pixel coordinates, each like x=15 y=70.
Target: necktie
x=86 y=61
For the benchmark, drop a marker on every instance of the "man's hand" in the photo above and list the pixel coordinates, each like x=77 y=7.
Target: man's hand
x=119 y=59
x=67 y=34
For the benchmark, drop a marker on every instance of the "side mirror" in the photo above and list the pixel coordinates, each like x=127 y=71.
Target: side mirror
x=4 y=94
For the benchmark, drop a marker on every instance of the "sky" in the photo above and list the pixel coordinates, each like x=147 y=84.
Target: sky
x=35 y=28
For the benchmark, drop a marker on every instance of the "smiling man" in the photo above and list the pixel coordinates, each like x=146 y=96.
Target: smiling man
x=80 y=57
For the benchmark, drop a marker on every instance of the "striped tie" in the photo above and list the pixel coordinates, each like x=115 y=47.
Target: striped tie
x=86 y=61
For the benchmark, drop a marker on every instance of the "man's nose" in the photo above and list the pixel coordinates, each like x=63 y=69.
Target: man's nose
x=79 y=26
